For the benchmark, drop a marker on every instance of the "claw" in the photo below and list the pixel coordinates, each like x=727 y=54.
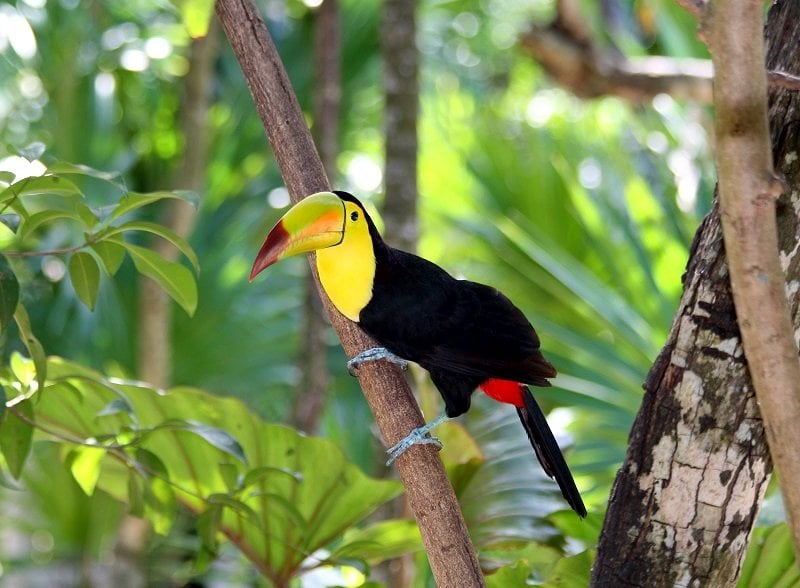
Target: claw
x=419 y=436
x=372 y=355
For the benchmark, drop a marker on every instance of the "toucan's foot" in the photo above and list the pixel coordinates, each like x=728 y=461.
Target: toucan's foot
x=372 y=355
x=419 y=436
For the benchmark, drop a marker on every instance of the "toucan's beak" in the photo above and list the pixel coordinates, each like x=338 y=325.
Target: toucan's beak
x=314 y=223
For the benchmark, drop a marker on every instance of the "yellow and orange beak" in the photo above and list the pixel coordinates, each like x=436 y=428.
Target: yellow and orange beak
x=316 y=222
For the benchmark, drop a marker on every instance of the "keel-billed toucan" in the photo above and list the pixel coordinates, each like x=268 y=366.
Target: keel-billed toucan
x=467 y=335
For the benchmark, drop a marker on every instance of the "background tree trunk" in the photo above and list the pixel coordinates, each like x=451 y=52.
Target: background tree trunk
x=154 y=344
x=401 y=91
x=314 y=377
x=684 y=503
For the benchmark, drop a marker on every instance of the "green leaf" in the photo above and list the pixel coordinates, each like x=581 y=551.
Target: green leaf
x=134 y=200
x=160 y=230
x=260 y=473
x=84 y=463
x=208 y=526
x=116 y=406
x=66 y=168
x=212 y=435
x=85 y=275
x=135 y=495
x=111 y=252
x=159 y=497
x=512 y=576
x=770 y=559
x=6 y=177
x=572 y=571
x=33 y=345
x=196 y=15
x=36 y=220
x=9 y=293
x=237 y=505
x=230 y=473
x=379 y=542
x=16 y=435
x=52 y=185
x=176 y=280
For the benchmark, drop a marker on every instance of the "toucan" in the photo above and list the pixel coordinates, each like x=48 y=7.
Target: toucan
x=467 y=335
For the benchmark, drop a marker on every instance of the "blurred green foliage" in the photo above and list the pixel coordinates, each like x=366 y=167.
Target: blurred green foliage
x=582 y=212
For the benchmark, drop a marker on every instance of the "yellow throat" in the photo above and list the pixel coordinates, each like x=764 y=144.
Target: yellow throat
x=347 y=270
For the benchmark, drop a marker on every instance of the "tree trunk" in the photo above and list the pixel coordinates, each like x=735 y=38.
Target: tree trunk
x=684 y=503
x=314 y=377
x=155 y=307
x=401 y=90
x=432 y=499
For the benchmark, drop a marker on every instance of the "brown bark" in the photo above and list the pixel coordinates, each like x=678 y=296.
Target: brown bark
x=566 y=51
x=684 y=503
x=310 y=399
x=450 y=552
x=748 y=190
x=401 y=91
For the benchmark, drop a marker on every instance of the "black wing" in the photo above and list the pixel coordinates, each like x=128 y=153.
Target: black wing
x=419 y=312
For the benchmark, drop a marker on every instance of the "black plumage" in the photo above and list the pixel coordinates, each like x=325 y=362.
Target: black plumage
x=464 y=334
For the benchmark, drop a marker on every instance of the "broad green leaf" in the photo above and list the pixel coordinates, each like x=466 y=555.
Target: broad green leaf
x=116 y=406
x=520 y=564
x=212 y=435
x=53 y=185
x=236 y=505
x=176 y=280
x=6 y=177
x=22 y=368
x=302 y=496
x=156 y=229
x=513 y=576
x=84 y=463
x=7 y=234
x=572 y=571
x=9 y=293
x=66 y=168
x=111 y=252
x=85 y=276
x=133 y=201
x=196 y=15
x=135 y=495
x=208 y=526
x=379 y=542
x=33 y=345
x=230 y=473
x=260 y=473
x=770 y=560
x=16 y=434
x=160 y=501
x=38 y=219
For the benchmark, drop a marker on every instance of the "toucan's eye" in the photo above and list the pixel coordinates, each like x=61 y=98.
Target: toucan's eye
x=354 y=216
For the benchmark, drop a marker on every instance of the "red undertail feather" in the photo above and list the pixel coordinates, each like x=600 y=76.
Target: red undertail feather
x=504 y=391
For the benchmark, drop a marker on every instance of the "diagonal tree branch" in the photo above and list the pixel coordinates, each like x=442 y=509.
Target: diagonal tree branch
x=430 y=495
x=748 y=190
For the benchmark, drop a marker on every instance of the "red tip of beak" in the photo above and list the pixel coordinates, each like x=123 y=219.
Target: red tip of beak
x=271 y=249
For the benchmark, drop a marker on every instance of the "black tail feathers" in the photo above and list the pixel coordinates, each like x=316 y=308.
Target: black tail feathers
x=548 y=452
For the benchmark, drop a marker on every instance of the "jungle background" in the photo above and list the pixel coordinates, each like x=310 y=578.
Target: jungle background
x=581 y=208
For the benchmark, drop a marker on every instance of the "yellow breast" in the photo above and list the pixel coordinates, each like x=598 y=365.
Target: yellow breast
x=347 y=270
